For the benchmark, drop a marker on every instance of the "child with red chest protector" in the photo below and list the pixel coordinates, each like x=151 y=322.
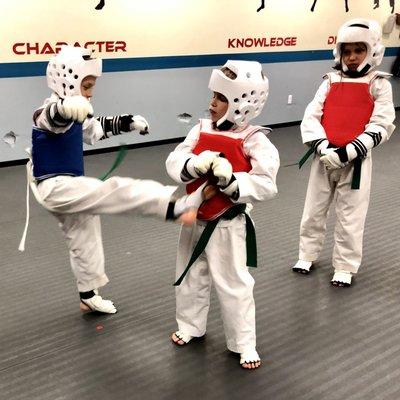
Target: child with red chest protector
x=352 y=113
x=219 y=248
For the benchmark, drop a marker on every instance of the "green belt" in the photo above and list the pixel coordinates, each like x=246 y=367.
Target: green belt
x=118 y=160
x=251 y=246
x=305 y=157
x=355 y=182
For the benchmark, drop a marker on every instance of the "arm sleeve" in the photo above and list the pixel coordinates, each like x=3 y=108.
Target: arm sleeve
x=47 y=117
x=260 y=182
x=178 y=158
x=115 y=125
x=100 y=128
x=311 y=128
x=92 y=131
x=383 y=114
x=43 y=118
x=380 y=126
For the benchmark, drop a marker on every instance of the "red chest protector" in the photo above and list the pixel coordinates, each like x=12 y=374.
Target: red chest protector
x=231 y=145
x=347 y=109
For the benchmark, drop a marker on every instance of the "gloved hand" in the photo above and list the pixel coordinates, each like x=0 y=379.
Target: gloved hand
x=139 y=124
x=75 y=108
x=222 y=170
x=351 y=152
x=199 y=165
x=232 y=189
x=331 y=160
x=340 y=157
x=320 y=146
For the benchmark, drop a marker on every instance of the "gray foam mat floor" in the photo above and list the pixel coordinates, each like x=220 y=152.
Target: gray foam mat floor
x=317 y=342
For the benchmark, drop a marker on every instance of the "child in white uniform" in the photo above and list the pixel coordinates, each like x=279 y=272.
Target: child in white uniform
x=244 y=163
x=352 y=112
x=61 y=126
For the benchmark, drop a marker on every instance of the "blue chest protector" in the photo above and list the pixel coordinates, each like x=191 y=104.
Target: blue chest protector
x=57 y=154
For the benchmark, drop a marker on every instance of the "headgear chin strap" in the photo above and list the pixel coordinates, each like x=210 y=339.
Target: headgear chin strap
x=357 y=74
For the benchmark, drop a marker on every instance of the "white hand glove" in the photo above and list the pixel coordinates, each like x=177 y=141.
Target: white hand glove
x=199 y=165
x=139 y=124
x=326 y=151
x=232 y=189
x=351 y=152
x=75 y=108
x=332 y=161
x=322 y=147
x=222 y=169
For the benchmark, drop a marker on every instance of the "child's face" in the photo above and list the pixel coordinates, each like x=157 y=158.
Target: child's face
x=87 y=86
x=353 y=54
x=218 y=106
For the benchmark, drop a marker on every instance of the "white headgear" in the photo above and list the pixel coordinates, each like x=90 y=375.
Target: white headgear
x=66 y=70
x=361 y=30
x=246 y=94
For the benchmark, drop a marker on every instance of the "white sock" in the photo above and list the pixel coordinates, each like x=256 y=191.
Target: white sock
x=301 y=264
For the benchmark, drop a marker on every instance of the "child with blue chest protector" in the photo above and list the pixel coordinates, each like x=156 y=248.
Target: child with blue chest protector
x=56 y=172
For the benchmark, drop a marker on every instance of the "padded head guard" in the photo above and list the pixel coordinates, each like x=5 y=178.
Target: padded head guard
x=246 y=94
x=366 y=31
x=66 y=70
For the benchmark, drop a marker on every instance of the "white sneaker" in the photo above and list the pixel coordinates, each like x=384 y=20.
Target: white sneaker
x=302 y=267
x=97 y=303
x=341 y=278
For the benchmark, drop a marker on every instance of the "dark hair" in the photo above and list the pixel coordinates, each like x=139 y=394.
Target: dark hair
x=229 y=73
x=338 y=66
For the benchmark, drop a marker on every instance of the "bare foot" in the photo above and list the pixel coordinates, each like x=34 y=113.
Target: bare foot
x=176 y=340
x=252 y=365
x=180 y=338
x=250 y=359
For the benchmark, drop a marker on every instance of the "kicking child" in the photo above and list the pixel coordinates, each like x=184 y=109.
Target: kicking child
x=56 y=172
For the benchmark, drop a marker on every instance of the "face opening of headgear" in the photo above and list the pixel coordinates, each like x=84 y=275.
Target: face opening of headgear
x=66 y=70
x=364 y=31
x=246 y=94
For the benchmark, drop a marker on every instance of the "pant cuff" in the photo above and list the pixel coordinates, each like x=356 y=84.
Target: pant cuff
x=346 y=268
x=190 y=330
x=93 y=284
x=240 y=349
x=310 y=257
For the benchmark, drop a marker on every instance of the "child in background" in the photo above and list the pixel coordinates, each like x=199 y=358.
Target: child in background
x=243 y=162
x=352 y=112
x=61 y=125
